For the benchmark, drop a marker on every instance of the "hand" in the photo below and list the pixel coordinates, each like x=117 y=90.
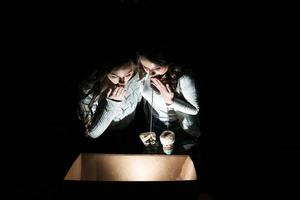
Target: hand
x=165 y=91
x=117 y=94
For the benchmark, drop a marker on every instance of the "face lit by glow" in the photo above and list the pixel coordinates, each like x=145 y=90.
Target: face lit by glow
x=121 y=75
x=151 y=68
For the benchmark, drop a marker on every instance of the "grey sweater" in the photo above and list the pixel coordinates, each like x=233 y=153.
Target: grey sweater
x=112 y=115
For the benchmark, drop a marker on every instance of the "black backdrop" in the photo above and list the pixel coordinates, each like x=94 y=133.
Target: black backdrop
x=53 y=47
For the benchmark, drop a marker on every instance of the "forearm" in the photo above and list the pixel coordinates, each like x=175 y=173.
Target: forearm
x=104 y=119
x=188 y=102
x=184 y=106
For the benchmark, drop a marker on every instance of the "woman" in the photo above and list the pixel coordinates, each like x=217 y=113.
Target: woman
x=171 y=97
x=109 y=100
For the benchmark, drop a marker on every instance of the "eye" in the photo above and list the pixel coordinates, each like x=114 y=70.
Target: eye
x=145 y=68
x=128 y=75
x=112 y=76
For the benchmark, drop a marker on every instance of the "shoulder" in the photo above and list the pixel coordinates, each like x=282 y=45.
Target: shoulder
x=186 y=79
x=187 y=84
x=134 y=81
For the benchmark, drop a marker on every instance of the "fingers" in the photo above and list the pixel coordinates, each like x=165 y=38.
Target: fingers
x=156 y=83
x=169 y=88
x=119 y=90
x=109 y=92
x=160 y=86
x=115 y=91
x=118 y=93
x=155 y=80
x=122 y=93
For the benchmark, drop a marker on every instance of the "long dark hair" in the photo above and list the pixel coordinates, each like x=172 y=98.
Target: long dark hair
x=162 y=56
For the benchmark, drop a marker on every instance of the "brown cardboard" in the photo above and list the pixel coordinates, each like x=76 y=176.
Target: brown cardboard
x=128 y=167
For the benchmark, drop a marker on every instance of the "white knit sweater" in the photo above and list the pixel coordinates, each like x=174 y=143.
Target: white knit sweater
x=113 y=115
x=184 y=108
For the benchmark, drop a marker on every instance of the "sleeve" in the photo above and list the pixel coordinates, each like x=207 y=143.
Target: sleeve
x=189 y=104
x=104 y=118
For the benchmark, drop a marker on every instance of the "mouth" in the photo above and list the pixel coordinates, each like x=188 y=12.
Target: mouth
x=118 y=85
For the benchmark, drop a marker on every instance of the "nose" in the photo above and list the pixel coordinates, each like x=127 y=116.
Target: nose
x=121 y=81
x=152 y=73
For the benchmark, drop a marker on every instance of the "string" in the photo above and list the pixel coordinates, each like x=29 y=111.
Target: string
x=151 y=110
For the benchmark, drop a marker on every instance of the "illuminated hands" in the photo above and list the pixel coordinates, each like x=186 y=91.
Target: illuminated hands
x=165 y=90
x=117 y=94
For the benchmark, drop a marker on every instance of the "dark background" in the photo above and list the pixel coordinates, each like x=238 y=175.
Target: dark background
x=246 y=144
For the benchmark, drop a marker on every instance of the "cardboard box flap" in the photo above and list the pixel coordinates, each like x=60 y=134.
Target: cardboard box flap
x=119 y=167
x=74 y=172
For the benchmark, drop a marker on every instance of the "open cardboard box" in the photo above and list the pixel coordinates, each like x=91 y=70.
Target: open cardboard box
x=134 y=176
